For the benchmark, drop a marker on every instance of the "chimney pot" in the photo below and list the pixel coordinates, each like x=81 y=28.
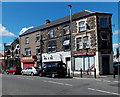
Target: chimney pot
x=48 y=21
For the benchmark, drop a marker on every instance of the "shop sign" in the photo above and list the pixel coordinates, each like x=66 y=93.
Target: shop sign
x=26 y=59
x=47 y=57
x=85 y=54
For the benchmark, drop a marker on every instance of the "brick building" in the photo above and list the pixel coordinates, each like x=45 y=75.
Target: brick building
x=12 y=54
x=91 y=37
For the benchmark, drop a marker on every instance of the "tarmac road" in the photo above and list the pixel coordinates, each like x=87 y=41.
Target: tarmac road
x=35 y=85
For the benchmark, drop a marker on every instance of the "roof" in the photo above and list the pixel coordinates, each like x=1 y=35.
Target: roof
x=75 y=16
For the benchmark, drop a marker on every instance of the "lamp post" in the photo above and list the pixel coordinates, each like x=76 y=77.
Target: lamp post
x=70 y=6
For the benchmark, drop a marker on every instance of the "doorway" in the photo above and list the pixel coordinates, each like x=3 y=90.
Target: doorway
x=68 y=62
x=105 y=64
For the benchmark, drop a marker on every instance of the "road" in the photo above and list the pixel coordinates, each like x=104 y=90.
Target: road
x=35 y=85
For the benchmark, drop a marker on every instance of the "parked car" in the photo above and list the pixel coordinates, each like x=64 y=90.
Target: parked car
x=54 y=70
x=13 y=70
x=30 y=71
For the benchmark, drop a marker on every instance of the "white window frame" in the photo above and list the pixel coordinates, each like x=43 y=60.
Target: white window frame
x=51 y=46
x=28 y=50
x=66 y=30
x=51 y=34
x=37 y=40
x=37 y=48
x=27 y=40
x=86 y=43
x=80 y=43
x=77 y=22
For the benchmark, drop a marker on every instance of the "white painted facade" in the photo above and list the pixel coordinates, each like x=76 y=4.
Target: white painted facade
x=57 y=57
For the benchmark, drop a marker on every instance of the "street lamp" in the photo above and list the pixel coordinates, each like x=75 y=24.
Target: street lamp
x=70 y=6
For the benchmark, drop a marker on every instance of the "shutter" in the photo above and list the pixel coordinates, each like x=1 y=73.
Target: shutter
x=78 y=63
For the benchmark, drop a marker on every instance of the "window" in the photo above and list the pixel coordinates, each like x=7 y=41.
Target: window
x=105 y=44
x=105 y=40
x=103 y=23
x=105 y=36
x=37 y=38
x=86 y=42
x=66 y=30
x=84 y=62
x=51 y=46
x=82 y=26
x=27 y=51
x=66 y=44
x=27 y=40
x=51 y=34
x=79 y=43
x=37 y=50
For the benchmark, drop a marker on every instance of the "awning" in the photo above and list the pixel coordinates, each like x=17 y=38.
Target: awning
x=66 y=42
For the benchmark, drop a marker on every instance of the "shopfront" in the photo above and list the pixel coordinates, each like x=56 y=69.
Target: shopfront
x=27 y=62
x=84 y=61
x=56 y=58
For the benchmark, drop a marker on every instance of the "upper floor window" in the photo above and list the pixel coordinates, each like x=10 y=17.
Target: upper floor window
x=27 y=40
x=82 y=26
x=79 y=43
x=51 y=46
x=8 y=52
x=86 y=42
x=66 y=44
x=28 y=51
x=105 y=44
x=66 y=30
x=51 y=34
x=105 y=36
x=37 y=50
x=37 y=38
x=103 y=23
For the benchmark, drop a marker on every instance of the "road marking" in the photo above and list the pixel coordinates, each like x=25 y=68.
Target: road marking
x=115 y=81
x=44 y=80
x=82 y=78
x=29 y=78
x=58 y=83
x=106 y=81
x=103 y=91
x=68 y=84
x=20 y=77
x=98 y=80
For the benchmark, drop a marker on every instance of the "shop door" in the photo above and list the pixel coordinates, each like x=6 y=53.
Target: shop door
x=78 y=63
x=105 y=64
x=68 y=65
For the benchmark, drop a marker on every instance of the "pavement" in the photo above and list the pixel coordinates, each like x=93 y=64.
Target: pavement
x=107 y=77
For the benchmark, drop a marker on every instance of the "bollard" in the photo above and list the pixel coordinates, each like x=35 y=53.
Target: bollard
x=81 y=72
x=94 y=72
x=113 y=72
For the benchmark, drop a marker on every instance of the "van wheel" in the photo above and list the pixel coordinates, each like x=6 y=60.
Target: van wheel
x=40 y=74
x=7 y=73
x=53 y=75
x=13 y=73
x=32 y=74
x=22 y=73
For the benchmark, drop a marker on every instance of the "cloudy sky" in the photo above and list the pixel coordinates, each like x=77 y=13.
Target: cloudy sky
x=20 y=16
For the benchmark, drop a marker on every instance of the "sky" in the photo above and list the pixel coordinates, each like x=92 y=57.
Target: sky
x=17 y=17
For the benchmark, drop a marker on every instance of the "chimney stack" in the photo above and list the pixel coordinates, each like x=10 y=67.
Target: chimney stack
x=48 y=21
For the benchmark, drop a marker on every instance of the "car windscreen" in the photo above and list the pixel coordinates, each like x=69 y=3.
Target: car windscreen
x=12 y=67
x=36 y=67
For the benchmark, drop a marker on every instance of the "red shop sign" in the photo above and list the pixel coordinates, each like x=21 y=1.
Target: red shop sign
x=85 y=54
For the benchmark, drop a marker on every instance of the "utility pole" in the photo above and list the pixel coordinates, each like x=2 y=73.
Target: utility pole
x=70 y=6
x=41 y=49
